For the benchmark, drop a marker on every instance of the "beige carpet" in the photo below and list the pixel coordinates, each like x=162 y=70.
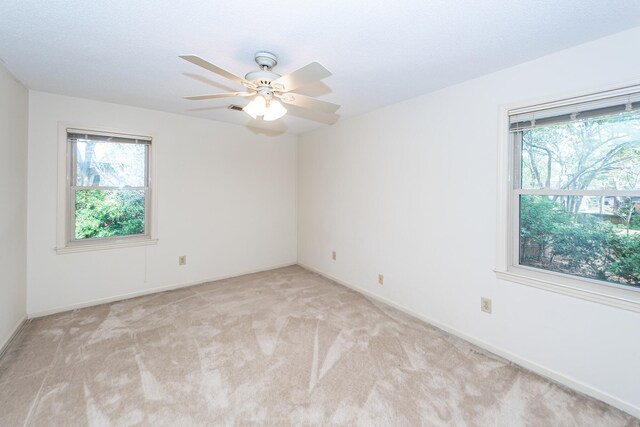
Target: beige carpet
x=283 y=347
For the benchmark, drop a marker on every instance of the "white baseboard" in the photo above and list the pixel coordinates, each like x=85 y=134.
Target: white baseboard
x=16 y=330
x=519 y=360
x=99 y=301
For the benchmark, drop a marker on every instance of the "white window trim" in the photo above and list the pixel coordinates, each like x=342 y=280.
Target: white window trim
x=63 y=245
x=506 y=269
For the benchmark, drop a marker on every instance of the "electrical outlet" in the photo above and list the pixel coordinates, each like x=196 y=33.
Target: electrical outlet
x=182 y=260
x=333 y=255
x=485 y=305
x=381 y=279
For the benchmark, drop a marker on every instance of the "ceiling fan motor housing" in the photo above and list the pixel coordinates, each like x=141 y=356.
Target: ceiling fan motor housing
x=261 y=77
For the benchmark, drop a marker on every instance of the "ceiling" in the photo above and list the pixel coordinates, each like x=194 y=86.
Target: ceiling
x=379 y=52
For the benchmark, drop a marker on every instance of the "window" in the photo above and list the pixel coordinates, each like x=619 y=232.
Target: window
x=573 y=202
x=108 y=188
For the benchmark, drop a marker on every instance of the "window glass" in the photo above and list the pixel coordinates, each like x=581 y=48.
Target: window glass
x=577 y=197
x=109 y=213
x=600 y=241
x=105 y=164
x=593 y=154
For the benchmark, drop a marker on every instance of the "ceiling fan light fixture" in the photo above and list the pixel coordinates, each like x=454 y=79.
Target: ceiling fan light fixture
x=257 y=107
x=275 y=111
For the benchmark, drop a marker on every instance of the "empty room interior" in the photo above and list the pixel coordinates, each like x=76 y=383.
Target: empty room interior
x=320 y=213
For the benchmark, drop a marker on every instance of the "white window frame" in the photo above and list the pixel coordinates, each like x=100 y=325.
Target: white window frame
x=65 y=241
x=507 y=266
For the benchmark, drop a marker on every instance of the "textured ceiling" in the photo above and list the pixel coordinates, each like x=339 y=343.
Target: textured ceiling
x=126 y=51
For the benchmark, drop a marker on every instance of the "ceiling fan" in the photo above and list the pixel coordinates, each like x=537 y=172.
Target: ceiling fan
x=269 y=88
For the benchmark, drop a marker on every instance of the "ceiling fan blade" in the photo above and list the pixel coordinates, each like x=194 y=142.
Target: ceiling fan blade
x=308 y=102
x=219 y=95
x=215 y=69
x=317 y=116
x=308 y=74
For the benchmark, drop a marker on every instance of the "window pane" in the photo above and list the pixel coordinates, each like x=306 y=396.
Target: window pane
x=593 y=237
x=601 y=153
x=107 y=213
x=107 y=164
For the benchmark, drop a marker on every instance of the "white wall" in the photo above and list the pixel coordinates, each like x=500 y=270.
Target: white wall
x=410 y=191
x=226 y=200
x=13 y=214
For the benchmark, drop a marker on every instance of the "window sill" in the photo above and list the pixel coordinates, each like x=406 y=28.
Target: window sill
x=614 y=296
x=114 y=244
